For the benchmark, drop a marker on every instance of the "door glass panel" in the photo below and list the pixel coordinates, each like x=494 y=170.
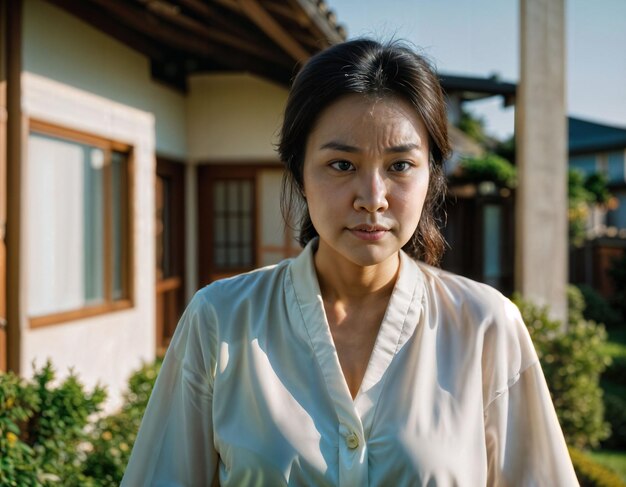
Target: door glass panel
x=233 y=225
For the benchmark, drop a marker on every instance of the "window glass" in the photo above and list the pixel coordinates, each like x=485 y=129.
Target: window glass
x=492 y=258
x=616 y=166
x=67 y=241
x=233 y=224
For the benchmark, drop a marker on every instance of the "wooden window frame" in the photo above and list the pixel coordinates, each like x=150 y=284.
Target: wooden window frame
x=128 y=279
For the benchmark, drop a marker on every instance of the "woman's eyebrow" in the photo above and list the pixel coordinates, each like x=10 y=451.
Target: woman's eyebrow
x=334 y=145
x=403 y=148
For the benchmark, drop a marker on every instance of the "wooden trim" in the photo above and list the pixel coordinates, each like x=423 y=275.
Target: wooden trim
x=128 y=260
x=257 y=14
x=107 y=192
x=74 y=135
x=207 y=174
x=127 y=223
x=3 y=185
x=245 y=164
x=58 y=318
x=14 y=181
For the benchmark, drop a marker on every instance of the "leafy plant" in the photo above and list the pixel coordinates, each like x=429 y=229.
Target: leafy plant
x=572 y=360
x=598 y=308
x=473 y=126
x=487 y=168
x=591 y=473
x=113 y=436
x=43 y=429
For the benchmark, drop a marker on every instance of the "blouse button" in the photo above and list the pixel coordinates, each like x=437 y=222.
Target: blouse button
x=352 y=441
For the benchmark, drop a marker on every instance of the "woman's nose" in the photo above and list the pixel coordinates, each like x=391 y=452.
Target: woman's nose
x=371 y=193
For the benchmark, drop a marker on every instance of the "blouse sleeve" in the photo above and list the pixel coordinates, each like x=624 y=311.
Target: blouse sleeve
x=525 y=444
x=174 y=446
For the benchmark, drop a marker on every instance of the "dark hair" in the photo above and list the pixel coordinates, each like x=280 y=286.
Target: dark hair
x=370 y=68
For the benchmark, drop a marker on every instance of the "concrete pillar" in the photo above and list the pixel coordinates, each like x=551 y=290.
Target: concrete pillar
x=541 y=131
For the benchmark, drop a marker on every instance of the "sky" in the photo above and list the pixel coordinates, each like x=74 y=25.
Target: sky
x=480 y=38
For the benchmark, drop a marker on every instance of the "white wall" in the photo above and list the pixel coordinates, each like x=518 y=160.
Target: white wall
x=233 y=117
x=61 y=47
x=106 y=348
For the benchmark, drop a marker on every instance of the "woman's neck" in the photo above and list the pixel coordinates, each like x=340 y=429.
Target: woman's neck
x=344 y=281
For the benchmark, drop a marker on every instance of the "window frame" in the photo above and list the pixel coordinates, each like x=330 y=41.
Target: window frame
x=36 y=126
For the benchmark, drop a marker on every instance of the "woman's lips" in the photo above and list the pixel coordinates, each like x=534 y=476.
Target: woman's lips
x=369 y=233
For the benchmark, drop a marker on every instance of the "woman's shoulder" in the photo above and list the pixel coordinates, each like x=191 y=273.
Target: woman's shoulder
x=261 y=281
x=482 y=313
x=464 y=292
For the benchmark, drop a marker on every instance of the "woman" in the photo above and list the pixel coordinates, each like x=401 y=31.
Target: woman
x=359 y=362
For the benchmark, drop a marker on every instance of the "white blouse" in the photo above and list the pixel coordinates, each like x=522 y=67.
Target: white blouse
x=251 y=392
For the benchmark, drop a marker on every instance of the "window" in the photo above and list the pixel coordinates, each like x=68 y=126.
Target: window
x=78 y=249
x=240 y=222
x=616 y=162
x=586 y=164
x=233 y=224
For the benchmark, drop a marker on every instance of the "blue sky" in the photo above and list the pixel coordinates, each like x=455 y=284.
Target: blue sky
x=480 y=37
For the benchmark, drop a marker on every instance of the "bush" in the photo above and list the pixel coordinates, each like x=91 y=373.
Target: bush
x=46 y=437
x=43 y=429
x=487 y=168
x=615 y=411
x=591 y=473
x=598 y=308
x=572 y=361
x=113 y=436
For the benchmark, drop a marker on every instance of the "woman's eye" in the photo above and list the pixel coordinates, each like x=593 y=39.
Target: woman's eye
x=342 y=166
x=400 y=166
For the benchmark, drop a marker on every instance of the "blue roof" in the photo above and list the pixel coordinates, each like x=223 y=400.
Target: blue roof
x=585 y=136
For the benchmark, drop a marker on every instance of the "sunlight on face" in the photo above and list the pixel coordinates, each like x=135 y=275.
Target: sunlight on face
x=366 y=177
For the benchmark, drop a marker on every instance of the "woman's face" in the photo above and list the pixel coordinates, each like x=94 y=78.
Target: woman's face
x=366 y=177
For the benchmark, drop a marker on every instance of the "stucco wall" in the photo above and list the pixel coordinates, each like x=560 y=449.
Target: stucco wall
x=108 y=347
x=233 y=117
x=61 y=47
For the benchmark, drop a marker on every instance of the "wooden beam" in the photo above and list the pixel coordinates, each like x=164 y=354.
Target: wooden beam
x=149 y=25
x=257 y=14
x=215 y=35
x=3 y=183
x=14 y=182
x=320 y=21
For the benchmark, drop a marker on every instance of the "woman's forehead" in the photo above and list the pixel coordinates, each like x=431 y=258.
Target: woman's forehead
x=354 y=117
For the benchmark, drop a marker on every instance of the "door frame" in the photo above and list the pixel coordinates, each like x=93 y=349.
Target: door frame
x=172 y=288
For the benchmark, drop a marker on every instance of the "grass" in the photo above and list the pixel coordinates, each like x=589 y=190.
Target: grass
x=615 y=460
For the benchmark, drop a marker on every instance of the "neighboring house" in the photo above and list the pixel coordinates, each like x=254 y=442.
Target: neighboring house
x=142 y=145
x=479 y=218
x=600 y=148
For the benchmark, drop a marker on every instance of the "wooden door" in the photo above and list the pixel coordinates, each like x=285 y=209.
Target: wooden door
x=227 y=221
x=170 y=246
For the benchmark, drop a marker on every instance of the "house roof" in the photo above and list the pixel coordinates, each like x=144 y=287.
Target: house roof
x=181 y=37
x=471 y=88
x=585 y=136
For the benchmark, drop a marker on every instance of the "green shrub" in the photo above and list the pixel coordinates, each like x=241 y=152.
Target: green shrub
x=43 y=429
x=598 y=308
x=113 y=436
x=615 y=413
x=572 y=361
x=487 y=168
x=591 y=473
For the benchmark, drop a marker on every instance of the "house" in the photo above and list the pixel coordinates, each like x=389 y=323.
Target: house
x=600 y=148
x=480 y=222
x=137 y=141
